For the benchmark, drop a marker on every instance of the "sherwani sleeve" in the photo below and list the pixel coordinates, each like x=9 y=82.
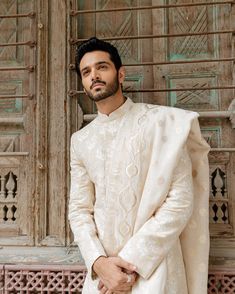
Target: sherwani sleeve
x=81 y=210
x=152 y=242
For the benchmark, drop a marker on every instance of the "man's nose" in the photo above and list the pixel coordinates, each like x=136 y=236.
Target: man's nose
x=95 y=75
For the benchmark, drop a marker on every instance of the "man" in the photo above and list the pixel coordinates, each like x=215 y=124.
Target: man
x=139 y=188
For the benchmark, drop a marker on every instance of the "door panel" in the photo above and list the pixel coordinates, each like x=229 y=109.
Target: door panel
x=16 y=124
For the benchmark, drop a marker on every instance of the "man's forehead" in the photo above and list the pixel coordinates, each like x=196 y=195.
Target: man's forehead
x=94 y=57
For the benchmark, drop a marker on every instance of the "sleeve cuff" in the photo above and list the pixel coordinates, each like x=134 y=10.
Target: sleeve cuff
x=144 y=271
x=91 y=254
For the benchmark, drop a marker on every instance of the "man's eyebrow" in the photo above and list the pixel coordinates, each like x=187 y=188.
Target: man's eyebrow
x=98 y=63
x=101 y=62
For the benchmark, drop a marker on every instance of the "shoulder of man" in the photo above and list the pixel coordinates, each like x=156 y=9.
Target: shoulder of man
x=82 y=134
x=165 y=112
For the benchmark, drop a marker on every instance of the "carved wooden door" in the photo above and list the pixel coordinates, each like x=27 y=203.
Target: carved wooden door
x=182 y=56
x=17 y=120
x=34 y=140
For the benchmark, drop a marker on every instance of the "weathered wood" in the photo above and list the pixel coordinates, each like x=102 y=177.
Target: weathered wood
x=55 y=204
x=42 y=122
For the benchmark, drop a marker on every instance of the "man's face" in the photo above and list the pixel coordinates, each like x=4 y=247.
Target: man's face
x=99 y=76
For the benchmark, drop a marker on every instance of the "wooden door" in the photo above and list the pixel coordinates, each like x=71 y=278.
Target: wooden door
x=17 y=120
x=34 y=137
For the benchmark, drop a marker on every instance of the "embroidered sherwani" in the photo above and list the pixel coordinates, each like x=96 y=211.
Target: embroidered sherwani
x=139 y=190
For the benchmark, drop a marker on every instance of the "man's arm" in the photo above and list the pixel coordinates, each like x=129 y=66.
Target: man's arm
x=81 y=211
x=151 y=244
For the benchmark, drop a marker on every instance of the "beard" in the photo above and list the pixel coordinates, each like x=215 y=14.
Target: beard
x=104 y=92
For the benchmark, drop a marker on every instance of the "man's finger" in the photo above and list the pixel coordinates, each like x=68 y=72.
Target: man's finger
x=104 y=290
x=132 y=278
x=100 y=285
x=126 y=265
x=128 y=272
x=129 y=278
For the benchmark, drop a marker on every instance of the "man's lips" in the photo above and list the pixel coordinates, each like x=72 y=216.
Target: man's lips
x=97 y=84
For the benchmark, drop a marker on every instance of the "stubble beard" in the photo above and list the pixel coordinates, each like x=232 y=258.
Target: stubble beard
x=105 y=92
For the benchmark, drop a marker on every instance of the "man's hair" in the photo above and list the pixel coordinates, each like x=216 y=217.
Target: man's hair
x=94 y=44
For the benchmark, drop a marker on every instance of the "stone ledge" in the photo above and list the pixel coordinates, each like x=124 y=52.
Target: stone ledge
x=40 y=255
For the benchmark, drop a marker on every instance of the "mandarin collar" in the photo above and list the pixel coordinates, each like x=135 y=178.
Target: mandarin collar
x=119 y=112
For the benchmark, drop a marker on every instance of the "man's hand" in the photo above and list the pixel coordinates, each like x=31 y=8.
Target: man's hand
x=112 y=272
x=104 y=290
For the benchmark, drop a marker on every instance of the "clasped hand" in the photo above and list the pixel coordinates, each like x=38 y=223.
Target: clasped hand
x=116 y=275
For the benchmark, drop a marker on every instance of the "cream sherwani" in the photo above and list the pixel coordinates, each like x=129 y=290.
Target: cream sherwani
x=139 y=189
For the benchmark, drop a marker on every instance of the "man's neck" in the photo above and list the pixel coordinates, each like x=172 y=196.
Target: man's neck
x=110 y=104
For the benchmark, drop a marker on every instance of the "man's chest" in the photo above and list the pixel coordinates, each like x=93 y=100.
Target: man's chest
x=115 y=151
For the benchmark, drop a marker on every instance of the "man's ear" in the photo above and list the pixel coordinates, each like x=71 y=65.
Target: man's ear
x=121 y=74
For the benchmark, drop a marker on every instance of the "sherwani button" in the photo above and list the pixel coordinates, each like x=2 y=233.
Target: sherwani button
x=131 y=170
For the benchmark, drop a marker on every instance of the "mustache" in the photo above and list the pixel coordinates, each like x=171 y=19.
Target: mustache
x=97 y=82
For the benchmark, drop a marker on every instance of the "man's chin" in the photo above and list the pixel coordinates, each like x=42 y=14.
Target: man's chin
x=97 y=98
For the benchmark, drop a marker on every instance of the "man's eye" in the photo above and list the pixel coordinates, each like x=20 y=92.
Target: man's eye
x=103 y=66
x=85 y=73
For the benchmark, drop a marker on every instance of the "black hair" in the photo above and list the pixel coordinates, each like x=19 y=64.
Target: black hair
x=94 y=44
